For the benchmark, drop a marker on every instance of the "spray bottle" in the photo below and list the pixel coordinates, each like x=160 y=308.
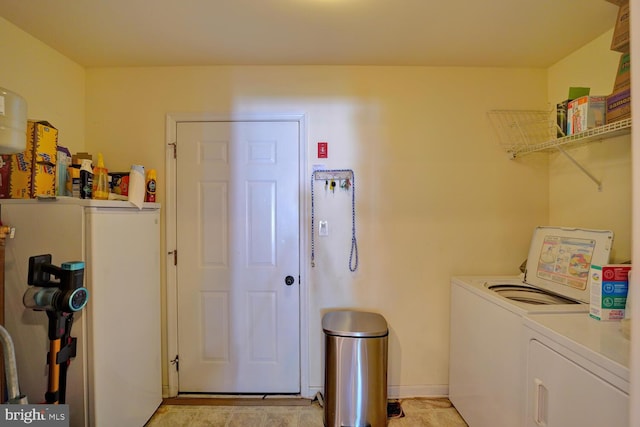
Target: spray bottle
x=100 y=180
x=150 y=194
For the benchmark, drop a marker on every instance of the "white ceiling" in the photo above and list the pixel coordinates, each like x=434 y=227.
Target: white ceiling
x=509 y=33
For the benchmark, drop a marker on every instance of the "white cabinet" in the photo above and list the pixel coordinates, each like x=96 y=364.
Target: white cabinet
x=116 y=377
x=562 y=393
x=576 y=373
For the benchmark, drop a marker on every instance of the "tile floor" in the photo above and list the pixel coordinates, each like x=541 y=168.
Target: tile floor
x=419 y=412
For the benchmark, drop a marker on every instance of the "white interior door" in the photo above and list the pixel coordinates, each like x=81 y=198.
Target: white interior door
x=238 y=241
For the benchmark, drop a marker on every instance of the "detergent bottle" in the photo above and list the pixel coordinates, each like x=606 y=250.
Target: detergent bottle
x=100 y=180
x=86 y=179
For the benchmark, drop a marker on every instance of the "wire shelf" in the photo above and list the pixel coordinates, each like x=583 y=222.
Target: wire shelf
x=528 y=131
x=520 y=129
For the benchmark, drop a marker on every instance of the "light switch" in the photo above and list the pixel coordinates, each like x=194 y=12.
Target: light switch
x=323 y=228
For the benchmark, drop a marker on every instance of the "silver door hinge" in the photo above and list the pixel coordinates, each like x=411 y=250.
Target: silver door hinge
x=176 y=362
x=175 y=148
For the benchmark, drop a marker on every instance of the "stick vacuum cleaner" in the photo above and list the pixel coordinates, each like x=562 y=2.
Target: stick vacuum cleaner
x=60 y=299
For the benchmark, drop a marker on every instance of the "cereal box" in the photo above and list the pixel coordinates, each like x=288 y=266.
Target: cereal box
x=33 y=172
x=584 y=113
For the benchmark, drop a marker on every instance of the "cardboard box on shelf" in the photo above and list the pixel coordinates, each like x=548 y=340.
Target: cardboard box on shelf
x=73 y=181
x=577 y=92
x=620 y=39
x=33 y=172
x=76 y=159
x=619 y=106
x=623 y=75
x=609 y=287
x=619 y=102
x=45 y=153
x=20 y=180
x=5 y=176
x=562 y=109
x=584 y=113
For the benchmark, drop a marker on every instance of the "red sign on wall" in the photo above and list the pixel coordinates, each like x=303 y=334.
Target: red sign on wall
x=323 y=150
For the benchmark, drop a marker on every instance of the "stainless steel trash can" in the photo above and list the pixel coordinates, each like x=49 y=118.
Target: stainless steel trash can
x=355 y=379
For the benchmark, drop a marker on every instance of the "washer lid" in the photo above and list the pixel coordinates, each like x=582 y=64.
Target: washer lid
x=560 y=258
x=357 y=324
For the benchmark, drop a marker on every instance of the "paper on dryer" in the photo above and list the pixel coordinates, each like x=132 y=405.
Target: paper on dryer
x=560 y=258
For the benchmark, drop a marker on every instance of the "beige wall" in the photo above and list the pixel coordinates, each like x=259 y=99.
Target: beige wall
x=436 y=195
x=53 y=85
x=574 y=200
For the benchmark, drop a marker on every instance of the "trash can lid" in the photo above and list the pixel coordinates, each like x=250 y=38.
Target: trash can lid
x=357 y=324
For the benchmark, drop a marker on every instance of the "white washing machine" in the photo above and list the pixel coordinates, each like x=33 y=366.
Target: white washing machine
x=487 y=358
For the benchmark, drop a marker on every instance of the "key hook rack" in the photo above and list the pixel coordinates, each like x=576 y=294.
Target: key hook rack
x=347 y=177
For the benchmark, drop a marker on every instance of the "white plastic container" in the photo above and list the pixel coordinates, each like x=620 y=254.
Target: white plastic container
x=13 y=122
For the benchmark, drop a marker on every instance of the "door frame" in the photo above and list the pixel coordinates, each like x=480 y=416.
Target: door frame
x=170 y=389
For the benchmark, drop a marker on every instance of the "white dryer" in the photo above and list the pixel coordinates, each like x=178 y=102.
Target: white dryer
x=577 y=371
x=487 y=358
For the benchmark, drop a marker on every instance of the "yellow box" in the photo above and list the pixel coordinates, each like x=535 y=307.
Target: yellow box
x=33 y=172
x=45 y=153
x=20 y=181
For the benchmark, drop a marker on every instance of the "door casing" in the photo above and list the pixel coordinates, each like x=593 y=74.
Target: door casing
x=170 y=389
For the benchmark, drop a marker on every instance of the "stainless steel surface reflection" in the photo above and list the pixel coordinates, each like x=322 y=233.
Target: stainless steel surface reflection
x=355 y=370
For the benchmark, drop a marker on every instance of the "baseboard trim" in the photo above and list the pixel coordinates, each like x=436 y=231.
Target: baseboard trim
x=405 y=391
x=237 y=401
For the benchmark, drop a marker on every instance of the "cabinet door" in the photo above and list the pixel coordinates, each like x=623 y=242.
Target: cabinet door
x=561 y=393
x=124 y=335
